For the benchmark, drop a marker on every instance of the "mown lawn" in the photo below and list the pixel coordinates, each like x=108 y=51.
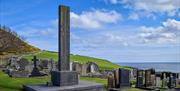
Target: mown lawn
x=15 y=84
x=103 y=64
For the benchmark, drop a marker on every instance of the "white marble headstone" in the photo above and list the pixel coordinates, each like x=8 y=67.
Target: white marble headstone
x=71 y=65
x=158 y=82
x=92 y=68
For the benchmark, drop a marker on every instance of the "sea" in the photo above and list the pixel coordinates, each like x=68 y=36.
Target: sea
x=159 y=67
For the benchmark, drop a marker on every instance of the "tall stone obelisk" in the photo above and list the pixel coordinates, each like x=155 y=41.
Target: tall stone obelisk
x=64 y=38
x=64 y=77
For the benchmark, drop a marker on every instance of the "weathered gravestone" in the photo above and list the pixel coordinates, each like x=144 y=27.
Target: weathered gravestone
x=153 y=80
x=164 y=80
x=177 y=80
x=52 y=66
x=158 y=80
x=148 y=79
x=17 y=67
x=116 y=78
x=171 y=81
x=76 y=66
x=92 y=67
x=23 y=62
x=13 y=63
x=44 y=64
x=122 y=78
x=140 y=78
x=111 y=81
x=133 y=74
x=64 y=79
x=22 y=70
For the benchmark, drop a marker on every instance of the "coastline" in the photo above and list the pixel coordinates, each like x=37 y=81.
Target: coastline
x=158 y=66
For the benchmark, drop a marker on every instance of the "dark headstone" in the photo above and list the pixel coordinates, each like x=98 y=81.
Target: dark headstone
x=116 y=78
x=139 y=79
x=122 y=78
x=111 y=81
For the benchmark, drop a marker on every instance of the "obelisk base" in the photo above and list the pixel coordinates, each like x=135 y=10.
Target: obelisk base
x=64 y=78
x=82 y=86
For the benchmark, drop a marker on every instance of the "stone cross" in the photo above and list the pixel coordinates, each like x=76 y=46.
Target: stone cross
x=35 y=61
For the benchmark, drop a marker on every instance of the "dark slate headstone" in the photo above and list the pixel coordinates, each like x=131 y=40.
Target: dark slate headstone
x=124 y=78
x=116 y=78
x=171 y=83
x=139 y=80
x=111 y=81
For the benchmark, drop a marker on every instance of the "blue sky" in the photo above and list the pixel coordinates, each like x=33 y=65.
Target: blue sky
x=116 y=30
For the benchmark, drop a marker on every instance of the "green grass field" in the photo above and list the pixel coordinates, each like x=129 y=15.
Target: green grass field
x=15 y=84
x=103 y=64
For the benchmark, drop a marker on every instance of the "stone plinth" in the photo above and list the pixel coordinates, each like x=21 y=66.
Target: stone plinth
x=64 y=78
x=82 y=86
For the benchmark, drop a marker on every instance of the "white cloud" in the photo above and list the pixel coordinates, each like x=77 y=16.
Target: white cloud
x=33 y=32
x=94 y=19
x=171 y=7
x=134 y=16
x=172 y=25
x=168 y=33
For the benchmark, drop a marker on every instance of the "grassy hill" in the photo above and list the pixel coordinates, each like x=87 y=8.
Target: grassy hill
x=12 y=43
x=103 y=64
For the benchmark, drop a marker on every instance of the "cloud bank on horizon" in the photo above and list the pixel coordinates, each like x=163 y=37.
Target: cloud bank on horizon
x=117 y=30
